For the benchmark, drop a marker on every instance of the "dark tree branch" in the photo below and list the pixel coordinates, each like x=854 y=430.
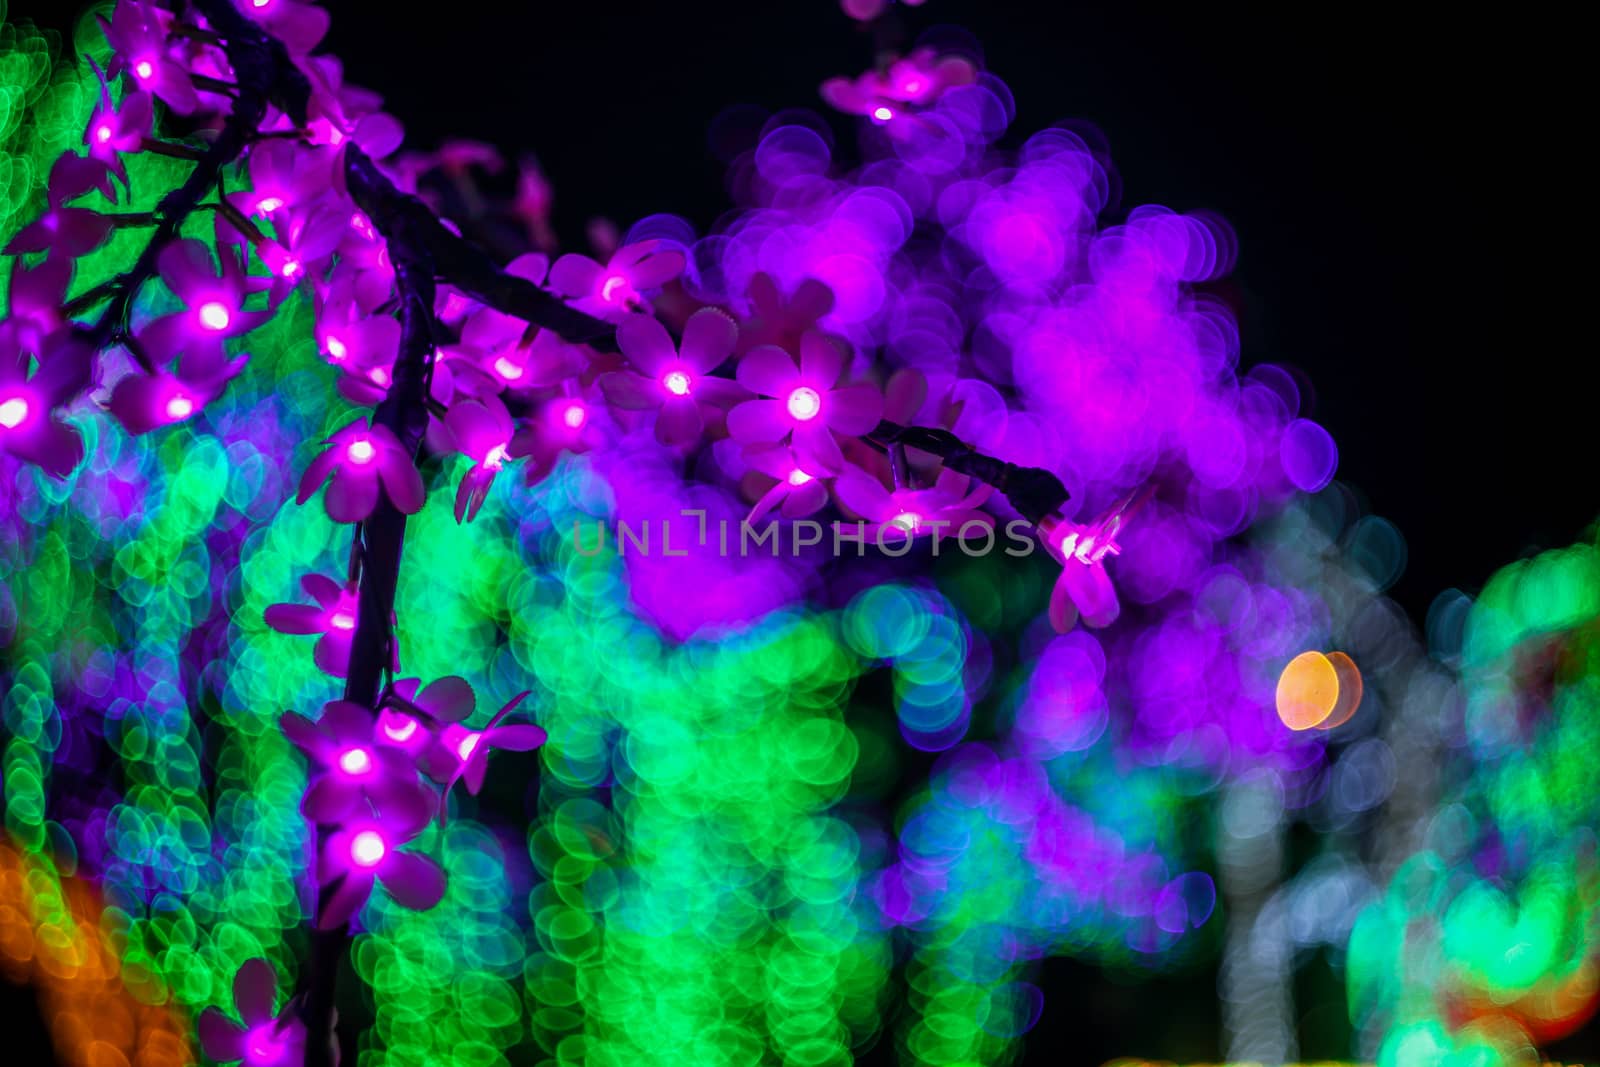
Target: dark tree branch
x=1033 y=491
x=466 y=266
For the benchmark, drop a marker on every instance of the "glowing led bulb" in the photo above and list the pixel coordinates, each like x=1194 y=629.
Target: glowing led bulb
x=507 y=369
x=290 y=267
x=496 y=458
x=144 y=70
x=361 y=451
x=398 y=728
x=573 y=416
x=804 y=403
x=12 y=411
x=379 y=376
x=355 y=761
x=214 y=315
x=102 y=132
x=798 y=477
x=367 y=849
x=336 y=348
x=342 y=620
x=907 y=521
x=608 y=291
x=268 y=204
x=882 y=114
x=676 y=383
x=467 y=746
x=180 y=407
x=262 y=1047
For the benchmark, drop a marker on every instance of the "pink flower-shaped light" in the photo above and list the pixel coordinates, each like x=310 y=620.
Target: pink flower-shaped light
x=799 y=491
x=778 y=320
x=463 y=753
x=564 y=423
x=213 y=298
x=908 y=83
x=260 y=1037
x=678 y=381
x=413 y=718
x=365 y=851
x=333 y=614
x=69 y=231
x=137 y=34
x=806 y=401
x=287 y=175
x=360 y=458
x=481 y=430
x=29 y=428
x=306 y=241
x=613 y=291
x=113 y=130
x=355 y=773
x=1084 y=589
x=895 y=515
x=145 y=402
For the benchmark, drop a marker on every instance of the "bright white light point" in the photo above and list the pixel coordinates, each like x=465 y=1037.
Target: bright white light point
x=401 y=733
x=507 y=369
x=268 y=204
x=342 y=620
x=336 y=348
x=676 y=383
x=798 y=477
x=355 y=761
x=613 y=283
x=361 y=451
x=379 y=375
x=804 y=403
x=214 y=315
x=12 y=412
x=467 y=746
x=907 y=521
x=180 y=407
x=144 y=69
x=102 y=133
x=290 y=268
x=882 y=114
x=573 y=416
x=496 y=458
x=367 y=849
x=260 y=3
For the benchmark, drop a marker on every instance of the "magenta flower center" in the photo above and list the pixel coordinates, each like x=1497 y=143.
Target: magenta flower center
x=397 y=727
x=290 y=268
x=268 y=204
x=467 y=746
x=798 y=477
x=355 y=761
x=676 y=382
x=907 y=521
x=144 y=69
x=496 y=458
x=882 y=114
x=805 y=403
x=367 y=849
x=507 y=369
x=573 y=416
x=214 y=315
x=379 y=376
x=361 y=451
x=342 y=620
x=262 y=1047
x=12 y=411
x=180 y=407
x=613 y=286
x=102 y=132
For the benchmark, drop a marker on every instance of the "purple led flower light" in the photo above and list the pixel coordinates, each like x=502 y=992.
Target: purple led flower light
x=677 y=381
x=63 y=230
x=333 y=615
x=806 y=403
x=137 y=33
x=899 y=514
x=259 y=1038
x=352 y=767
x=613 y=291
x=29 y=428
x=360 y=458
x=365 y=851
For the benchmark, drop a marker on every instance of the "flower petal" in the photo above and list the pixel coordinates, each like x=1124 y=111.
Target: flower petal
x=450 y=699
x=415 y=882
x=220 y=1037
x=821 y=362
x=352 y=496
x=403 y=482
x=329 y=800
x=680 y=421
x=629 y=391
x=708 y=339
x=255 y=985
x=296 y=619
x=646 y=344
x=758 y=421
x=518 y=738
x=855 y=409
